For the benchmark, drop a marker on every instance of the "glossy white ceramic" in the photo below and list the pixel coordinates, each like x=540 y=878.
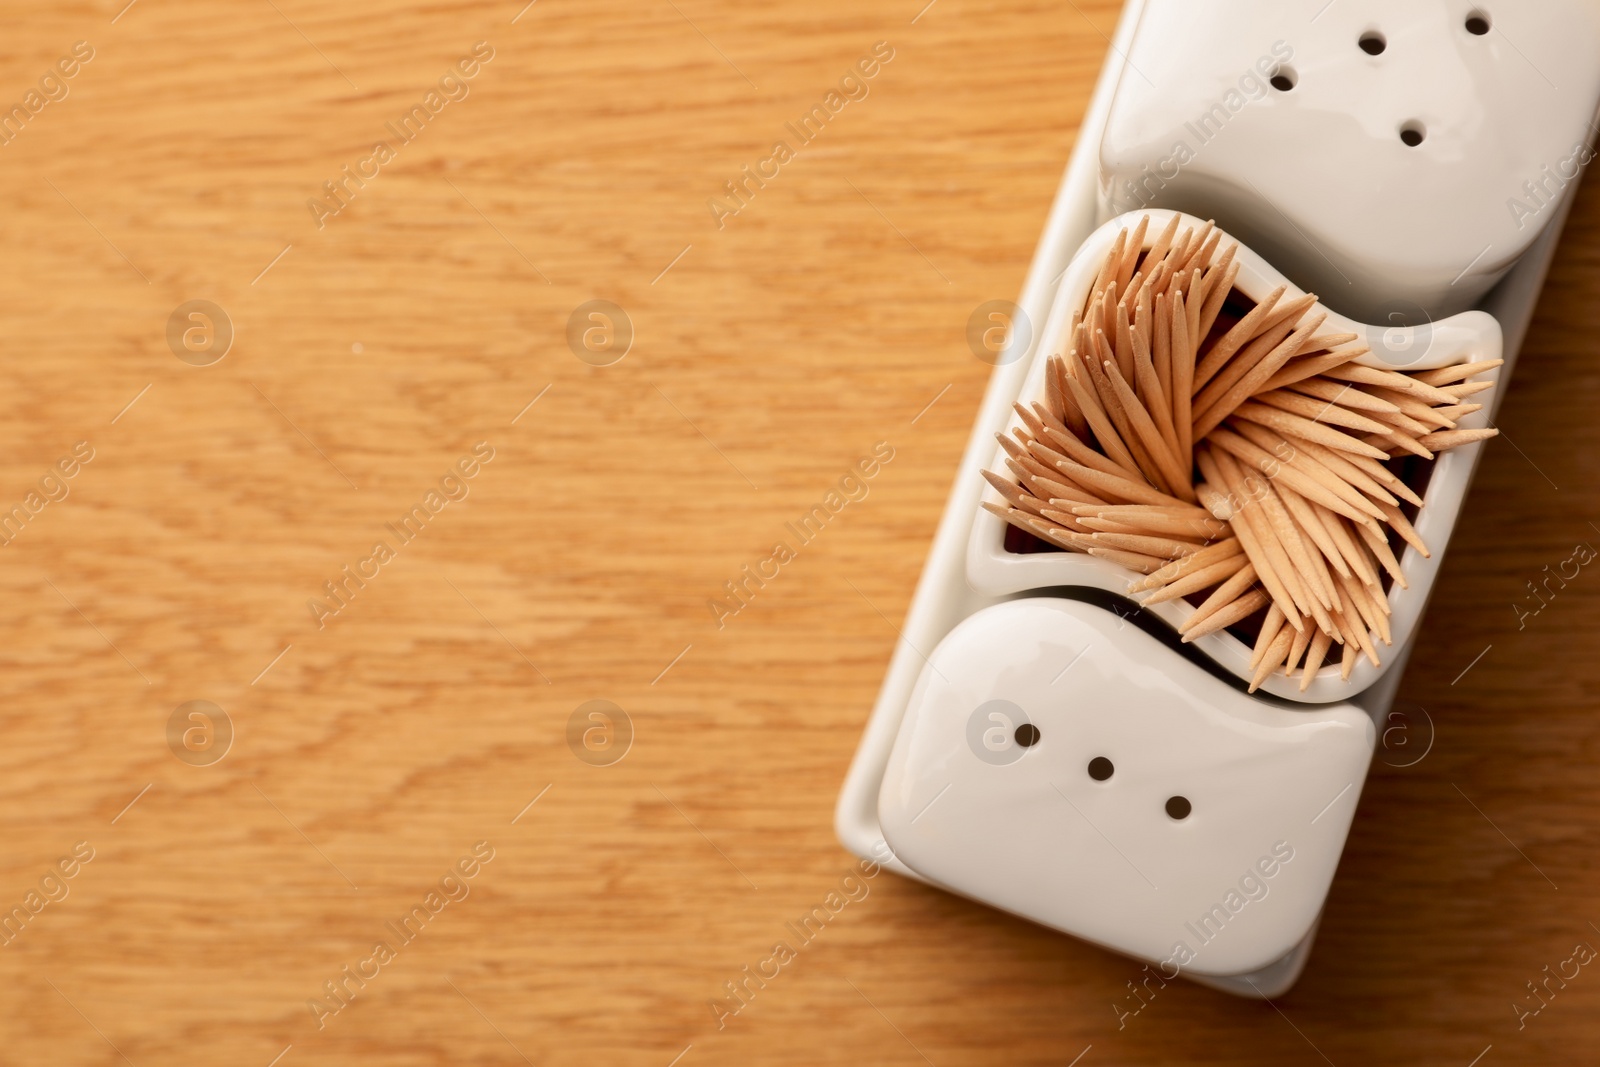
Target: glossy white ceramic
x=1074 y=770
x=1316 y=176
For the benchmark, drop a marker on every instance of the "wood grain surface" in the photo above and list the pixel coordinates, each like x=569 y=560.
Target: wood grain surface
x=374 y=747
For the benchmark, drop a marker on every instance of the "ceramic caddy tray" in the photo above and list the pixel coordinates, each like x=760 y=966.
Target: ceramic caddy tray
x=1229 y=892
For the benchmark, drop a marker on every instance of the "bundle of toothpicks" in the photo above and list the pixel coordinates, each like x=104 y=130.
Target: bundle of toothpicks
x=1244 y=468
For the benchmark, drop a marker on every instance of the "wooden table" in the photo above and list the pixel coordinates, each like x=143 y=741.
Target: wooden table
x=374 y=746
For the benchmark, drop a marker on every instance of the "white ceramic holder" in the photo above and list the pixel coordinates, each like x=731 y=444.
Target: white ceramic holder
x=1291 y=124
x=1076 y=771
x=951 y=784
x=1464 y=338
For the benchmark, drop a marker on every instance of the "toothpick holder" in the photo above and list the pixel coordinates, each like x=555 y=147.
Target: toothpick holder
x=1470 y=336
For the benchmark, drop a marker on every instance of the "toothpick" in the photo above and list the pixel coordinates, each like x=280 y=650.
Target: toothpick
x=1194 y=302
x=1205 y=244
x=1270 y=628
x=1074 y=449
x=1120 y=417
x=1222 y=618
x=1319 y=410
x=1025 y=468
x=1271 y=562
x=1163 y=242
x=1217 y=292
x=1112 y=264
x=1132 y=247
x=1347 y=661
x=1079 y=384
x=1201 y=579
x=1305 y=517
x=1403 y=527
x=1160 y=280
x=1395 y=442
x=1251 y=380
x=1014 y=516
x=1375 y=470
x=1113 y=487
x=1124 y=349
x=1224 y=595
x=1182 y=381
x=1355 y=552
x=1461 y=371
x=1240 y=363
x=1131 y=560
x=1161 y=343
x=1273 y=658
x=1153 y=398
x=1326 y=342
x=1301 y=641
x=1362 y=636
x=1234 y=339
x=1307 y=563
x=1107 y=323
x=1413 y=412
x=1456 y=412
x=1307 y=485
x=1320 y=643
x=1355 y=372
x=1309 y=366
x=1380 y=548
x=1180 y=249
x=1018 y=500
x=1088 y=527
x=1056 y=535
x=1320 y=433
x=1178 y=568
x=1374 y=613
x=1343 y=393
x=1059 y=493
x=1162 y=548
x=1454 y=438
x=1466 y=389
x=1332 y=469
x=1177 y=477
x=1168 y=521
x=1029 y=419
x=1101 y=525
x=1215 y=501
